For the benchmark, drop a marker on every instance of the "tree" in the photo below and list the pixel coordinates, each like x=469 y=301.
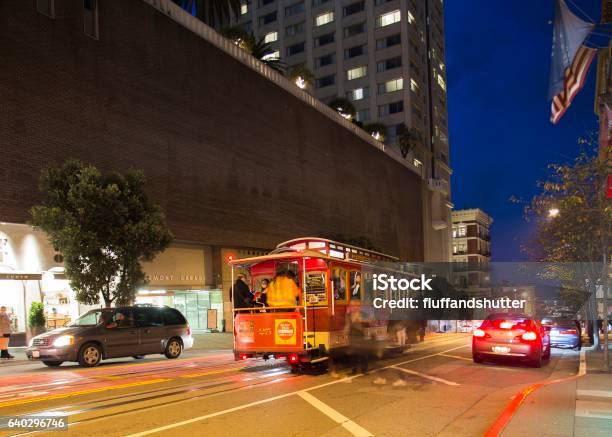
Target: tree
x=104 y=225
x=572 y=224
x=344 y=107
x=407 y=139
x=211 y=11
x=260 y=49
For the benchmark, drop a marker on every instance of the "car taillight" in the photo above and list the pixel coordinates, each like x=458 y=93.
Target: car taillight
x=529 y=336
x=293 y=358
x=569 y=332
x=188 y=330
x=506 y=325
x=479 y=333
x=243 y=356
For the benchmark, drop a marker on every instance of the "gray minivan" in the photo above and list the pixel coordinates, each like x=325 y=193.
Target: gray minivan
x=113 y=333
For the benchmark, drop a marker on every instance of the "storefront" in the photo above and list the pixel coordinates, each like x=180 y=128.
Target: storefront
x=31 y=271
x=177 y=278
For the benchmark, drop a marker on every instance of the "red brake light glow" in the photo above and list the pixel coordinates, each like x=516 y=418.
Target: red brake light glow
x=568 y=331
x=506 y=325
x=293 y=358
x=188 y=330
x=529 y=336
x=479 y=333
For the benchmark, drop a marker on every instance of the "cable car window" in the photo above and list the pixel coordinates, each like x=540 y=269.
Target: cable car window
x=339 y=281
x=355 y=283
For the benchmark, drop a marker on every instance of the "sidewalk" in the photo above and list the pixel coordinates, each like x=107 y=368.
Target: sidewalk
x=593 y=408
x=578 y=406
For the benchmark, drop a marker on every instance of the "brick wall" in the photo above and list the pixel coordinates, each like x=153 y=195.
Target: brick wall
x=232 y=158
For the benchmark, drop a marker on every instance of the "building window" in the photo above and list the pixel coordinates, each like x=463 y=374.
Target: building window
x=270 y=37
x=90 y=18
x=461 y=231
x=267 y=19
x=296 y=48
x=46 y=7
x=357 y=94
x=391 y=86
x=388 y=18
x=328 y=38
x=244 y=8
x=389 y=64
x=354 y=8
x=265 y=2
x=319 y=2
x=295 y=29
x=294 y=9
x=363 y=115
x=324 y=60
x=326 y=81
x=356 y=73
x=271 y=56
x=355 y=51
x=355 y=29
x=381 y=2
x=389 y=41
x=391 y=108
x=248 y=26
x=324 y=18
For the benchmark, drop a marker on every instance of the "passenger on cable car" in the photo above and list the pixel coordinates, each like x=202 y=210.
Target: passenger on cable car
x=261 y=296
x=283 y=291
x=240 y=292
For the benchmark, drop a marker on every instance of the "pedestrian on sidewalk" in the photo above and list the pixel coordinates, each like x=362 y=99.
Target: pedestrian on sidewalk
x=5 y=334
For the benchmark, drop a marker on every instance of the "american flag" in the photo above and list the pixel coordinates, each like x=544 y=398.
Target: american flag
x=573 y=81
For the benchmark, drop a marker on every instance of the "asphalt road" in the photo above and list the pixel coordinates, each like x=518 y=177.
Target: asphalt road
x=444 y=394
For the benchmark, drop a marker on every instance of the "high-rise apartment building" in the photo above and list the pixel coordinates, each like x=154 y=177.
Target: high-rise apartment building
x=387 y=57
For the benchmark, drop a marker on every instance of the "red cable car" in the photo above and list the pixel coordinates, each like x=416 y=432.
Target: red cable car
x=314 y=284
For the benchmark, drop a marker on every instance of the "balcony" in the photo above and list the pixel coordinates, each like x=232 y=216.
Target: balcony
x=439 y=185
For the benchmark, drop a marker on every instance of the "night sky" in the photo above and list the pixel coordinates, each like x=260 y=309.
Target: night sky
x=501 y=139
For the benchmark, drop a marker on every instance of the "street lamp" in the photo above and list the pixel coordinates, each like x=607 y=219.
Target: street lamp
x=553 y=212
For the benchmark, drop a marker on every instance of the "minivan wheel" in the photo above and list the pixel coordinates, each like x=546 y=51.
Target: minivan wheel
x=90 y=355
x=53 y=363
x=173 y=348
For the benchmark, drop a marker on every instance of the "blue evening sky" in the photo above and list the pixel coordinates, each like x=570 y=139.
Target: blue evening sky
x=501 y=139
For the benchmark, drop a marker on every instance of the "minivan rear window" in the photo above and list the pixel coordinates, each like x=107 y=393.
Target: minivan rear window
x=173 y=317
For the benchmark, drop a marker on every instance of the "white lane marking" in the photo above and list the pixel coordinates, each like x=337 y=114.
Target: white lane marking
x=426 y=376
x=594 y=410
x=595 y=393
x=263 y=401
x=334 y=415
x=456 y=357
x=427 y=356
x=582 y=369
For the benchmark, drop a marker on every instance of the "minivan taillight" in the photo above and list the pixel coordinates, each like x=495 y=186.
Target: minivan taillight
x=188 y=330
